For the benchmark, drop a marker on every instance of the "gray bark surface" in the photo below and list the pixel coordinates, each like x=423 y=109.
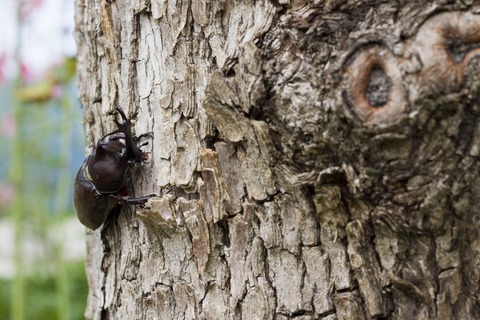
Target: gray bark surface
x=312 y=159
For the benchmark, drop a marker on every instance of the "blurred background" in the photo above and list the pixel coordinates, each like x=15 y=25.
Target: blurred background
x=42 y=245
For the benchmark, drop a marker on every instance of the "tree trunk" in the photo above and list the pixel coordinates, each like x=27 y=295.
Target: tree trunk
x=312 y=159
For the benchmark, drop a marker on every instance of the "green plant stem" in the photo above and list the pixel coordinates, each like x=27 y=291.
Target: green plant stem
x=16 y=174
x=61 y=204
x=62 y=288
x=18 y=217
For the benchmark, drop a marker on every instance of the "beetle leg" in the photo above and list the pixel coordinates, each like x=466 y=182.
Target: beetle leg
x=136 y=201
x=130 y=200
x=117 y=133
x=143 y=135
x=112 y=216
x=140 y=200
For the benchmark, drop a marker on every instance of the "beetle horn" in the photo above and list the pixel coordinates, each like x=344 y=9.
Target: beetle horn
x=122 y=114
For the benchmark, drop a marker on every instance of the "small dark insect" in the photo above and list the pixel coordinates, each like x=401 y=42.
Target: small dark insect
x=102 y=181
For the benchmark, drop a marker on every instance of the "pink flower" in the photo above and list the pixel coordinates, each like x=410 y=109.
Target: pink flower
x=57 y=91
x=8 y=126
x=3 y=63
x=25 y=72
x=6 y=194
x=29 y=6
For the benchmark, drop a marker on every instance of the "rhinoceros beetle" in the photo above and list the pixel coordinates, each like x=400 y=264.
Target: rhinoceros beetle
x=102 y=181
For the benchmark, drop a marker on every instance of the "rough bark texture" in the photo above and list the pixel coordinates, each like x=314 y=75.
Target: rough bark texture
x=313 y=159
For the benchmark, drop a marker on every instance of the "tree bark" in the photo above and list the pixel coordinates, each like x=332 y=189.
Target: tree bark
x=312 y=159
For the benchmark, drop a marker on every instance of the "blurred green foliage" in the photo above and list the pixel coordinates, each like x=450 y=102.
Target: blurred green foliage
x=42 y=297
x=42 y=147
